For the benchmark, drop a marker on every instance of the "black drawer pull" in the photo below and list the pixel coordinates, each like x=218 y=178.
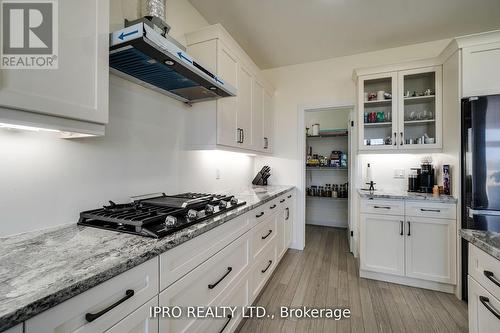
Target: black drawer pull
x=287 y=216
x=212 y=286
x=486 y=303
x=492 y=277
x=259 y=215
x=90 y=317
x=273 y=206
x=229 y=317
x=409 y=230
x=264 y=237
x=289 y=196
x=401 y=232
x=268 y=265
x=381 y=207
x=430 y=210
x=282 y=200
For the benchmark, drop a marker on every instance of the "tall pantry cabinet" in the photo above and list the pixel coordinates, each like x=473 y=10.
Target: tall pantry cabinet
x=244 y=122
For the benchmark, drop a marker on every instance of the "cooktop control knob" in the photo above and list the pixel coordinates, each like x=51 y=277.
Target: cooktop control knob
x=223 y=204
x=170 y=220
x=209 y=209
x=234 y=201
x=192 y=214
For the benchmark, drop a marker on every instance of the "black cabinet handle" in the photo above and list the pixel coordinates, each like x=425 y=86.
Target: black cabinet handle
x=273 y=206
x=270 y=232
x=90 y=317
x=491 y=277
x=289 y=196
x=238 y=130
x=430 y=210
x=402 y=141
x=212 y=286
x=409 y=231
x=401 y=232
x=259 y=215
x=229 y=317
x=381 y=207
x=486 y=303
x=268 y=265
x=287 y=213
x=282 y=200
x=266 y=143
x=395 y=138
x=242 y=135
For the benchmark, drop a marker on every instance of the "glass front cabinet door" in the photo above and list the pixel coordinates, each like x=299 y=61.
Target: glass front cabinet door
x=420 y=108
x=400 y=110
x=377 y=118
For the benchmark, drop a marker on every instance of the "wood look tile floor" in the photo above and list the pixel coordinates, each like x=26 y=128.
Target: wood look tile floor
x=325 y=274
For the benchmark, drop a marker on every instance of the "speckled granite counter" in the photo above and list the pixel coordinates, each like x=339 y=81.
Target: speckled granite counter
x=406 y=196
x=41 y=269
x=487 y=241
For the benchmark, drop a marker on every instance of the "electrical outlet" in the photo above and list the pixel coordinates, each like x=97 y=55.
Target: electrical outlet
x=399 y=173
x=217 y=173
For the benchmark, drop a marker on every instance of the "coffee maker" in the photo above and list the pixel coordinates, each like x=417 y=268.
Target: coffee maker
x=414 y=180
x=426 y=177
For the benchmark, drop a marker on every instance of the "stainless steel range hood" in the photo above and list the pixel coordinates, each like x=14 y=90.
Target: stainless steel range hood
x=141 y=54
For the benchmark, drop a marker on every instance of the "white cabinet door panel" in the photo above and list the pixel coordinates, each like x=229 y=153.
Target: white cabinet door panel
x=481 y=70
x=138 y=321
x=382 y=244
x=483 y=308
x=258 y=116
x=244 y=115
x=430 y=249
x=78 y=89
x=268 y=122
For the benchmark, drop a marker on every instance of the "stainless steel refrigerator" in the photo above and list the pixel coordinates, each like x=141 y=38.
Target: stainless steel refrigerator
x=480 y=169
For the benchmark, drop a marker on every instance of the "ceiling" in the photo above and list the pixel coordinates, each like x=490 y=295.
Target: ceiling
x=283 y=32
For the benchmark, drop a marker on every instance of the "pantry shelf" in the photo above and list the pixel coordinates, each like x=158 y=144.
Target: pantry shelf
x=325 y=198
x=325 y=169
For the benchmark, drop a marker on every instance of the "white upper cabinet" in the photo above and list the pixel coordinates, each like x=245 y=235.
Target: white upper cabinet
x=481 y=70
x=78 y=88
x=242 y=123
x=400 y=107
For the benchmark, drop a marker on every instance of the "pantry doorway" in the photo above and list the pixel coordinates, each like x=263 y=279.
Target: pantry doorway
x=327 y=163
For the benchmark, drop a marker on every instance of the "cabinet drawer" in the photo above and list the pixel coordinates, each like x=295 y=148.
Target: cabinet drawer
x=70 y=315
x=206 y=283
x=434 y=210
x=263 y=234
x=138 y=321
x=483 y=309
x=262 y=268
x=485 y=269
x=180 y=260
x=386 y=207
x=263 y=212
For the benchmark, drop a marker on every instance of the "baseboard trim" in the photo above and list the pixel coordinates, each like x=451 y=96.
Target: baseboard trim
x=437 y=286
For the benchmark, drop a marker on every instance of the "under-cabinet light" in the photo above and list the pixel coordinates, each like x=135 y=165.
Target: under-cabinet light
x=27 y=128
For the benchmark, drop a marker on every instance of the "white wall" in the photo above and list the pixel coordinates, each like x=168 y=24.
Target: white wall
x=46 y=181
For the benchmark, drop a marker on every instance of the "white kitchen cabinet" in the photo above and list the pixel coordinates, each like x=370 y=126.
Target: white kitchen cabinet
x=411 y=118
x=430 y=249
x=481 y=70
x=78 y=89
x=285 y=223
x=242 y=123
x=117 y=297
x=268 y=119
x=15 y=329
x=382 y=244
x=258 y=142
x=244 y=110
x=483 y=308
x=138 y=321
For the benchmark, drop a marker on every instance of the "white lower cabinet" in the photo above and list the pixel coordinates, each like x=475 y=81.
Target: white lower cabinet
x=417 y=249
x=138 y=321
x=382 y=243
x=262 y=268
x=15 y=329
x=101 y=307
x=430 y=249
x=484 y=309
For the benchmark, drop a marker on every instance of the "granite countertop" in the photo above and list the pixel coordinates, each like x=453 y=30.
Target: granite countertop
x=487 y=241
x=406 y=196
x=41 y=269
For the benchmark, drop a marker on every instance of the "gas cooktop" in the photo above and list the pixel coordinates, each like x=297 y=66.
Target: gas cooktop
x=159 y=215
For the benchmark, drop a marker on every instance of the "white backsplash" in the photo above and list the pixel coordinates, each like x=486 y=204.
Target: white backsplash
x=384 y=165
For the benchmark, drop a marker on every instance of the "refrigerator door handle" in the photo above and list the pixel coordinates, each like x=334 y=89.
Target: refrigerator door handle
x=480 y=212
